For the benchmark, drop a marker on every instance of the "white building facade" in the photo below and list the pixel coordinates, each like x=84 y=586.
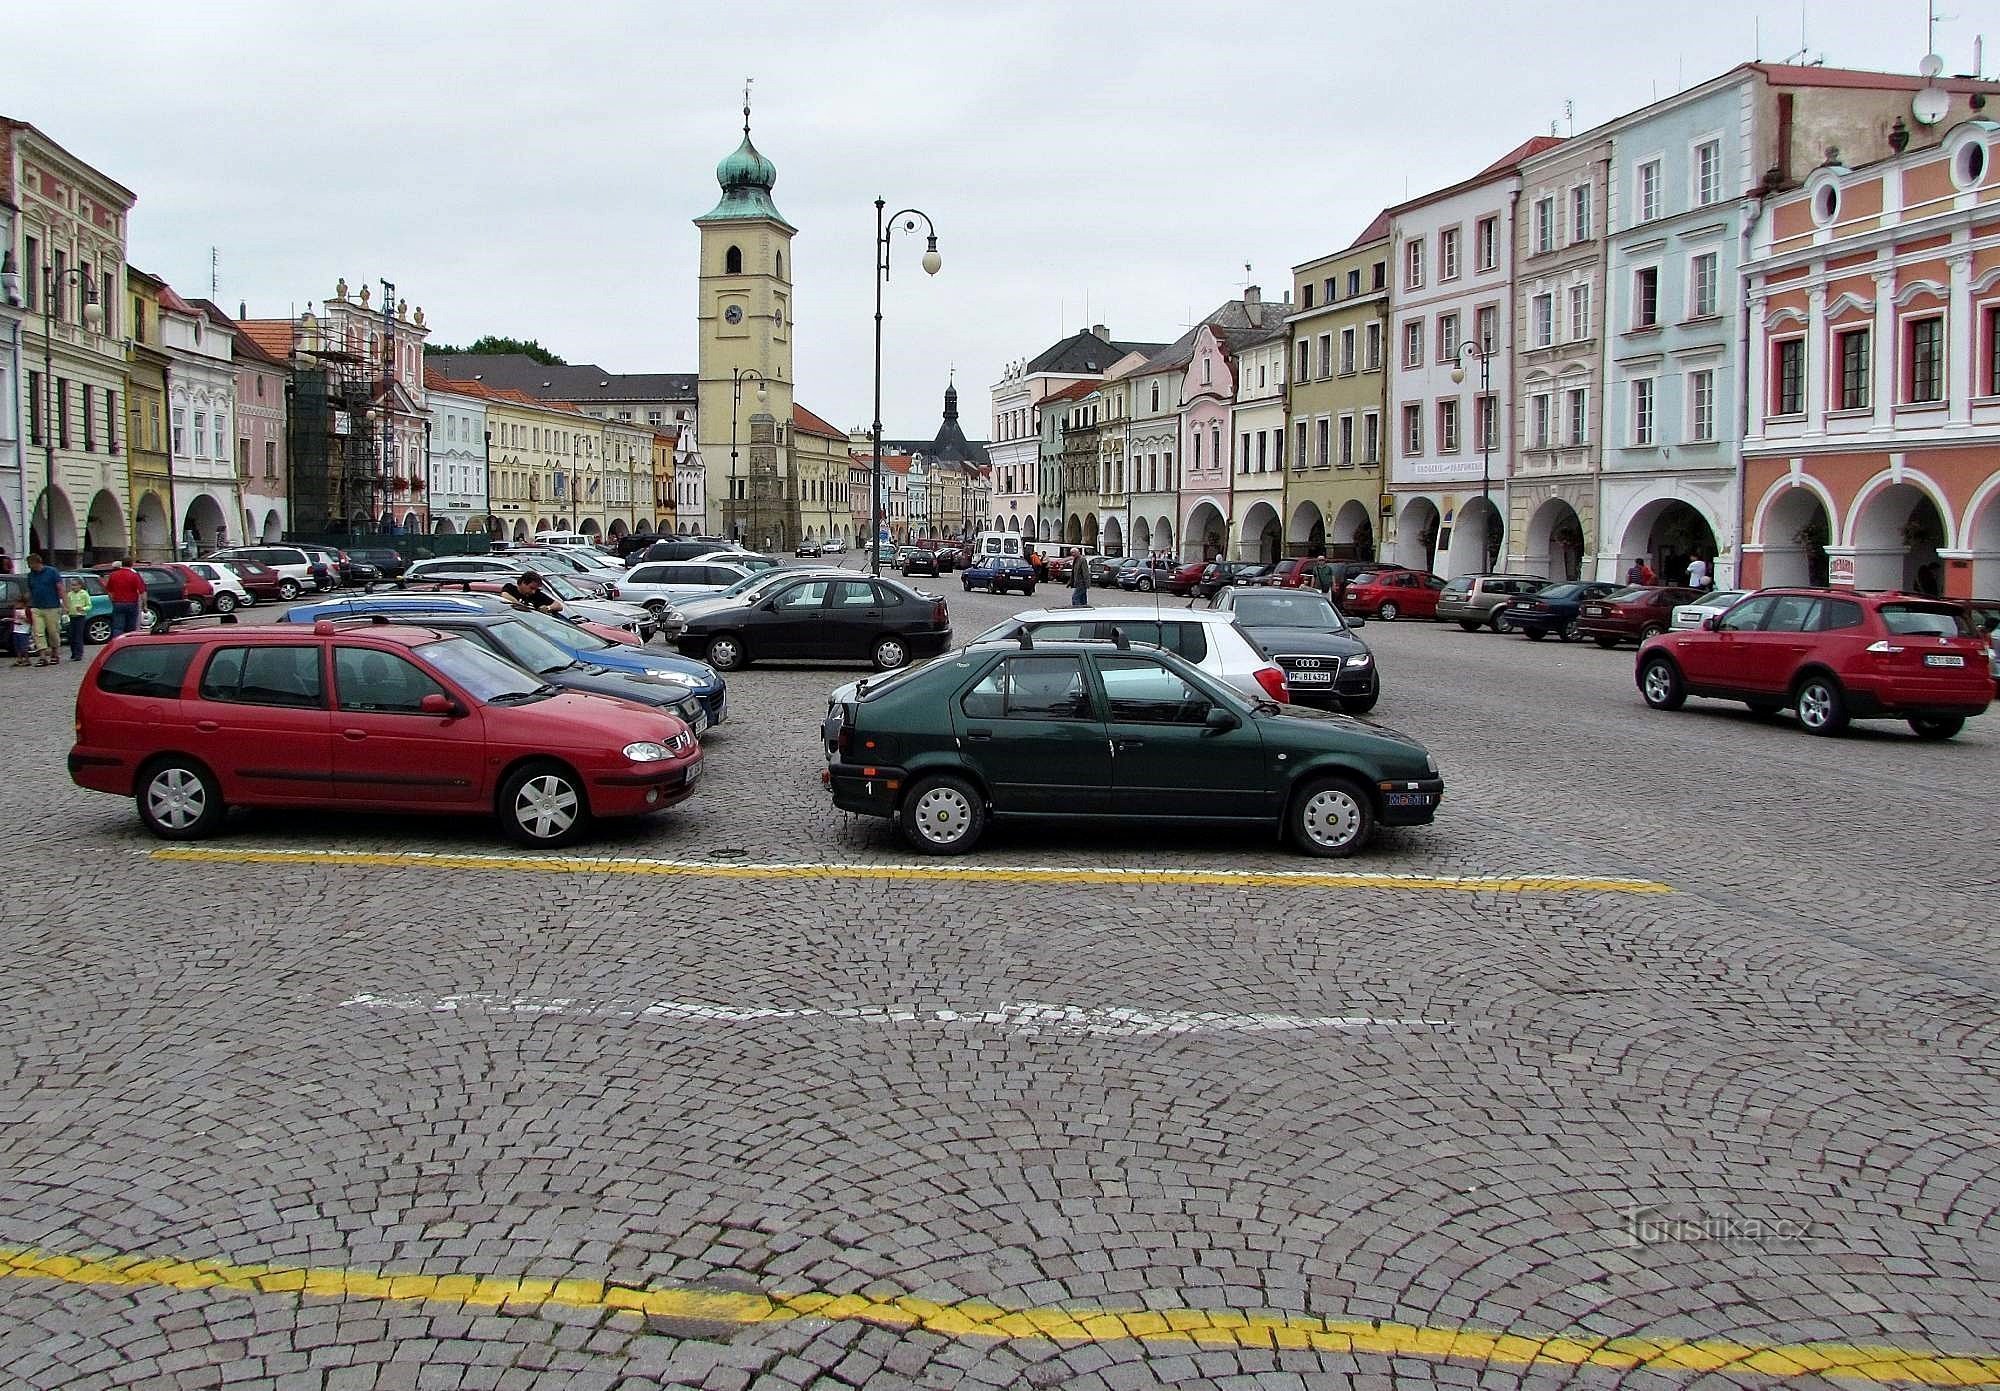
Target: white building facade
x=201 y=426
x=1257 y=435
x=457 y=461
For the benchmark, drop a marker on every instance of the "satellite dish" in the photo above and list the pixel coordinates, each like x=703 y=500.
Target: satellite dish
x=1931 y=105
x=1931 y=66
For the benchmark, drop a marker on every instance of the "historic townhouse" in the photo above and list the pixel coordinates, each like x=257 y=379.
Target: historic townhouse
x=1336 y=397
x=1153 y=496
x=627 y=485
x=68 y=252
x=1872 y=457
x=1208 y=387
x=458 y=467
x=1113 y=502
x=1064 y=418
x=1257 y=445
x=1683 y=178
x=149 y=467
x=824 y=453
x=1559 y=251
x=661 y=508
x=201 y=430
x=13 y=502
x=262 y=384
x=1452 y=313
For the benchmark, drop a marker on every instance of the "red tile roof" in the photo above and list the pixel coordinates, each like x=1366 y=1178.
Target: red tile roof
x=804 y=422
x=274 y=336
x=1072 y=391
x=1525 y=150
x=1374 y=231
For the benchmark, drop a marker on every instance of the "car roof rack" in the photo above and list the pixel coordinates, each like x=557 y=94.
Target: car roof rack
x=1118 y=638
x=190 y=619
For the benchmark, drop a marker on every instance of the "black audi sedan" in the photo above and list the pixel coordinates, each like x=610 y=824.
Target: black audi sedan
x=1325 y=662
x=820 y=618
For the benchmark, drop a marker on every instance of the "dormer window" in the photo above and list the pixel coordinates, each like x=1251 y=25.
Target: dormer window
x=1207 y=371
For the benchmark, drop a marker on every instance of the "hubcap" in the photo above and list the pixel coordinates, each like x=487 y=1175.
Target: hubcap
x=1331 y=817
x=1388 y=613
x=545 y=806
x=1815 y=706
x=943 y=815
x=1659 y=684
x=176 y=798
x=723 y=654
x=890 y=654
x=225 y=603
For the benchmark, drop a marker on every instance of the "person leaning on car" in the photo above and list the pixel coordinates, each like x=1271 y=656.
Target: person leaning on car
x=527 y=593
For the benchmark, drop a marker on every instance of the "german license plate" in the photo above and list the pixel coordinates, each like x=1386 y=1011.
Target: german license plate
x=1310 y=678
x=698 y=723
x=1944 y=659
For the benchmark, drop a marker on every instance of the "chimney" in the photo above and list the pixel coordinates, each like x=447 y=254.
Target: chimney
x=1100 y=331
x=1288 y=297
x=1253 y=294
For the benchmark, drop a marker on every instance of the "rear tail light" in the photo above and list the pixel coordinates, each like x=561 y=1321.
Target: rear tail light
x=1272 y=679
x=940 y=615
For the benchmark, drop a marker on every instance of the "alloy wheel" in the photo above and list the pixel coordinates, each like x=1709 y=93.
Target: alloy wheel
x=546 y=806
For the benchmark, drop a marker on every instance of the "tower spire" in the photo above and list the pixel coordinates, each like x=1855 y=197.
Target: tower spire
x=746 y=106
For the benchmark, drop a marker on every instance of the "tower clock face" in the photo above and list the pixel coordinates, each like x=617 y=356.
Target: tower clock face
x=734 y=313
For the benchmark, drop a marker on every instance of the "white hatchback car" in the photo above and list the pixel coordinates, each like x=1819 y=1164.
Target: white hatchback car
x=230 y=593
x=670 y=582
x=1687 y=617
x=1210 y=640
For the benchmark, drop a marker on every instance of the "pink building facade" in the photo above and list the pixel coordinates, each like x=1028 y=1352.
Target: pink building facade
x=1208 y=389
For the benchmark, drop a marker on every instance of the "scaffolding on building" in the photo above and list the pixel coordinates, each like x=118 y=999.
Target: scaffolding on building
x=337 y=481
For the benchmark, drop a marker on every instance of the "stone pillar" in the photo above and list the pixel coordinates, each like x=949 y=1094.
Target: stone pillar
x=766 y=508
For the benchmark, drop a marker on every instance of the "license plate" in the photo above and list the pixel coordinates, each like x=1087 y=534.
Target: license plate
x=1310 y=678
x=1409 y=799
x=1941 y=659
x=1522 y=608
x=1593 y=609
x=698 y=723
x=694 y=775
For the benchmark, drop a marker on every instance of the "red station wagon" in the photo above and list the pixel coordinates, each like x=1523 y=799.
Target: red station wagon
x=1393 y=594
x=1631 y=615
x=362 y=716
x=1833 y=655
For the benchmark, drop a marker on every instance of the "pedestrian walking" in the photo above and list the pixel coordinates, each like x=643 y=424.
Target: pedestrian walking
x=1697 y=573
x=127 y=588
x=76 y=612
x=21 y=633
x=1636 y=575
x=1079 y=580
x=45 y=604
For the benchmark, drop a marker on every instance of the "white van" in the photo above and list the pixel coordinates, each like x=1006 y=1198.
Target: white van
x=1000 y=543
x=563 y=538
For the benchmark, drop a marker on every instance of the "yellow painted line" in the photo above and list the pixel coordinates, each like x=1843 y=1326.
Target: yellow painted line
x=1240 y=1328
x=991 y=874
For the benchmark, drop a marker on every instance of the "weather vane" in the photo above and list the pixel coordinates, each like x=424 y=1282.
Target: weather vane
x=746 y=106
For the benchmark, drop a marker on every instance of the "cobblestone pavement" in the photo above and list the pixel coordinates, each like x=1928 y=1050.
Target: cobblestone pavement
x=737 y=1130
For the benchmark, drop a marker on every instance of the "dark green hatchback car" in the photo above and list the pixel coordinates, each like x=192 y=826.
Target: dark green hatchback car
x=1092 y=729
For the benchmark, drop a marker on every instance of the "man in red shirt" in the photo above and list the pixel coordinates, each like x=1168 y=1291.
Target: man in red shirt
x=127 y=588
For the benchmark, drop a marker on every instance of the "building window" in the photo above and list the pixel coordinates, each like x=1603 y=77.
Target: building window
x=1488 y=234
x=1354 y=282
x=111 y=421
x=1703 y=283
x=1346 y=351
x=180 y=439
x=1300 y=453
x=242 y=456
x=1413 y=429
x=1374 y=341
x=1854 y=366
x=732 y=261
x=1576 y=405
x=1538 y=421
x=1413 y=264
x=1993 y=351
x=62 y=412
x=1264 y=449
x=31 y=273
x=1926 y=340
x=1371 y=437
x=1326 y=354
x=1579 y=313
x=1320 y=428
x=1701 y=406
x=1448 y=425
x=1447 y=338
x=1544 y=318
x=1545 y=225
x=1448 y=254
x=1243 y=453
x=1707 y=173
x=1207 y=370
x=1579 y=213
x=1488 y=327
x=1788 y=377
x=1642 y=411
x=1646 y=298
x=89 y=419
x=1306 y=295
x=1647 y=199
x=271 y=459
x=1413 y=343
x=1347 y=441
x=1305 y=368
x=1488 y=409
x=221 y=450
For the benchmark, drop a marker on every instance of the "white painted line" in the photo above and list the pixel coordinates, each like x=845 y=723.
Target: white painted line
x=1024 y=1017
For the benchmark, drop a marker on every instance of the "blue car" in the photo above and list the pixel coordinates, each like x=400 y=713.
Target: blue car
x=710 y=689
x=998 y=574
x=1553 y=610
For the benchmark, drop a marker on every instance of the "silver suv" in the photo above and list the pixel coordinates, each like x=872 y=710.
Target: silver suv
x=1476 y=601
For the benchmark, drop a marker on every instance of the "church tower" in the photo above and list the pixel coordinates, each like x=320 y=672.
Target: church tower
x=744 y=319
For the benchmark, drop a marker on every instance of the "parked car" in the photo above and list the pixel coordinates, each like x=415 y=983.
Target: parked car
x=1211 y=641
x=1341 y=573
x=684 y=547
x=468 y=567
x=808 y=547
x=389 y=562
x=1833 y=656
x=918 y=562
x=614 y=622
x=821 y=618
x=261 y=581
x=166 y=595
x=1146 y=574
x=507 y=633
x=96 y=623
x=343 y=566
x=1689 y=615
x=1325 y=662
x=1104 y=571
x=1556 y=609
x=1393 y=594
x=1632 y=614
x=364 y=718
x=1480 y=601
x=1985 y=616
x=833 y=545
x=632 y=541
x=666 y=584
x=212 y=587
x=998 y=574
x=1076 y=730
x=1293 y=572
x=297 y=571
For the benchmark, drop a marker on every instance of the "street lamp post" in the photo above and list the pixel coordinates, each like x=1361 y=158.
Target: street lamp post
x=92 y=318
x=931 y=263
x=737 y=377
x=1488 y=426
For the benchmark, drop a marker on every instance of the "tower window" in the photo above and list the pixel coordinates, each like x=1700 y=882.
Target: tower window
x=732 y=261
x=781 y=265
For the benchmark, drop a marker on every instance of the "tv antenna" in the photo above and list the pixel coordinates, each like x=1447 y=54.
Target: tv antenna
x=214 y=271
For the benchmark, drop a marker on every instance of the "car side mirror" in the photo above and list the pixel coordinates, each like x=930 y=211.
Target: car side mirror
x=1221 y=719
x=435 y=704
x=1355 y=622
x=1713 y=623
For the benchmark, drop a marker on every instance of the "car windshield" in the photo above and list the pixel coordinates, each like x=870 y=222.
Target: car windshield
x=1630 y=594
x=1291 y=609
x=484 y=676
x=1461 y=585
x=566 y=588
x=1926 y=620
x=564 y=635
x=1565 y=591
x=1719 y=601
x=527 y=648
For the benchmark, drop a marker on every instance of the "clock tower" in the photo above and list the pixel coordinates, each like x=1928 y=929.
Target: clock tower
x=744 y=319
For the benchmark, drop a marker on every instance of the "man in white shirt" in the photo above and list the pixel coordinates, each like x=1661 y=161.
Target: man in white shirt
x=1697 y=573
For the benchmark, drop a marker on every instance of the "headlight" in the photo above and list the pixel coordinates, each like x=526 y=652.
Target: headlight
x=647 y=751
x=672 y=678
x=1361 y=659
x=1431 y=761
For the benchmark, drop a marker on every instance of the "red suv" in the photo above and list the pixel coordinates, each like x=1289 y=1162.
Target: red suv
x=363 y=716
x=1393 y=594
x=1631 y=615
x=1833 y=655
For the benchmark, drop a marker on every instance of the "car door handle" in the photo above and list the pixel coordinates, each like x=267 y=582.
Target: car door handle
x=979 y=734
x=207 y=726
x=1128 y=743
x=354 y=734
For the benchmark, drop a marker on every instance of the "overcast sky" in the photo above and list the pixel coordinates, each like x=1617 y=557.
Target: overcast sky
x=530 y=169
